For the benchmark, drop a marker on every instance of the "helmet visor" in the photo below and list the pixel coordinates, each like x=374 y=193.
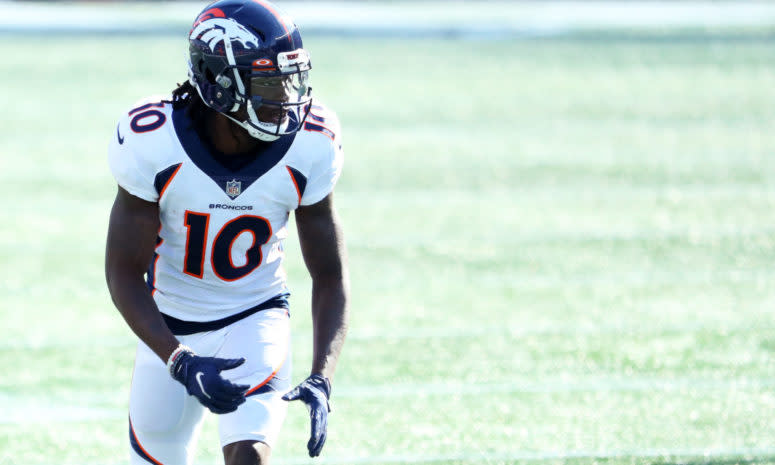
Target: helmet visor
x=278 y=100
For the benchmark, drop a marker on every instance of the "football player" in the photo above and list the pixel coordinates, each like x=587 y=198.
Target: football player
x=207 y=178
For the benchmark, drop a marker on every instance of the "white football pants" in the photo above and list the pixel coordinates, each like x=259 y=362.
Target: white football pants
x=164 y=421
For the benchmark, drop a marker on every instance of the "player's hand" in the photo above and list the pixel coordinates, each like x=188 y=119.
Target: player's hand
x=202 y=378
x=314 y=392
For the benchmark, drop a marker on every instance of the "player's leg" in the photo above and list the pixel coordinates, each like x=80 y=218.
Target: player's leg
x=247 y=453
x=163 y=419
x=263 y=339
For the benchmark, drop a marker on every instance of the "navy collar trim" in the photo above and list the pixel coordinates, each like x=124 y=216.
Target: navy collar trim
x=232 y=182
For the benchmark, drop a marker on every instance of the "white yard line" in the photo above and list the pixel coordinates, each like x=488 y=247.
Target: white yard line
x=20 y=410
x=563 y=384
x=530 y=18
x=574 y=329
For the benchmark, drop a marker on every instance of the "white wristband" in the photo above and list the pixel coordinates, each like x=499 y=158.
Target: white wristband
x=174 y=356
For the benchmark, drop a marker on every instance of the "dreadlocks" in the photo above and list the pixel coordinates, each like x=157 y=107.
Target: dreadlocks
x=185 y=96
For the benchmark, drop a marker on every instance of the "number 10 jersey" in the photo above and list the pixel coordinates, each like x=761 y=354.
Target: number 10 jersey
x=220 y=245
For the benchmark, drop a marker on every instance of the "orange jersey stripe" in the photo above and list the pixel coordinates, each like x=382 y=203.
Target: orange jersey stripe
x=163 y=189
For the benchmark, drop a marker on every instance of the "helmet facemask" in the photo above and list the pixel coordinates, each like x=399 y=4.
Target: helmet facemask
x=272 y=105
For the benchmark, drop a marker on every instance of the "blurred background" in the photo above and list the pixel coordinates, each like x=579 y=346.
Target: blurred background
x=559 y=218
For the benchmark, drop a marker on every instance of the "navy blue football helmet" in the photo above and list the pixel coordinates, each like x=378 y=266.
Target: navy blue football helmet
x=247 y=61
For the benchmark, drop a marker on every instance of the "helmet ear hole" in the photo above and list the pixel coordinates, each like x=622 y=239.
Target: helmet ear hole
x=209 y=76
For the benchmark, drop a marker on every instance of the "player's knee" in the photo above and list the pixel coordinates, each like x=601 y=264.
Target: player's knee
x=246 y=453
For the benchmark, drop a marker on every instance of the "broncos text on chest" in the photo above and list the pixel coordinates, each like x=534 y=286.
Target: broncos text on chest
x=223 y=206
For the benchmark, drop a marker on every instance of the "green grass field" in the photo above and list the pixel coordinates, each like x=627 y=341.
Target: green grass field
x=561 y=251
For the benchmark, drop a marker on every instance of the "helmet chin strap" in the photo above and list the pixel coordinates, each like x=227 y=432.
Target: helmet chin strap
x=254 y=132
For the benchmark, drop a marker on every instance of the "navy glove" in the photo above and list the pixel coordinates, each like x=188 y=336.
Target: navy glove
x=314 y=392
x=202 y=378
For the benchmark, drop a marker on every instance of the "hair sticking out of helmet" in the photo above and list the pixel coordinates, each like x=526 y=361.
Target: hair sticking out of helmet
x=233 y=45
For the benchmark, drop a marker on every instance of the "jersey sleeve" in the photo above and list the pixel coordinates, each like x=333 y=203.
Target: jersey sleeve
x=325 y=173
x=131 y=171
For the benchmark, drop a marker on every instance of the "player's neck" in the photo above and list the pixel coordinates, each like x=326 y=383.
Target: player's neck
x=229 y=138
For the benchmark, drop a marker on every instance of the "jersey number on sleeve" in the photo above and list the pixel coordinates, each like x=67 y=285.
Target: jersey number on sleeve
x=197 y=225
x=148 y=120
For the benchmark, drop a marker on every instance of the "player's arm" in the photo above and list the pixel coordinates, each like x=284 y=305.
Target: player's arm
x=323 y=248
x=134 y=225
x=324 y=252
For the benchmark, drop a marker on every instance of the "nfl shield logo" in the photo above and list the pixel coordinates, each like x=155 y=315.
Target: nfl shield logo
x=233 y=188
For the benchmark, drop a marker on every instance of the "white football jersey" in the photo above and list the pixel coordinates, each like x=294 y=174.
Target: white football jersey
x=220 y=246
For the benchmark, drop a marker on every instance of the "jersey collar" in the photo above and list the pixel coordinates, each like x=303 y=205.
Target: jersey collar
x=232 y=182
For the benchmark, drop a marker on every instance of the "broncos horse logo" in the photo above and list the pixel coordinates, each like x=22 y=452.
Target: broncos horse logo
x=214 y=30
